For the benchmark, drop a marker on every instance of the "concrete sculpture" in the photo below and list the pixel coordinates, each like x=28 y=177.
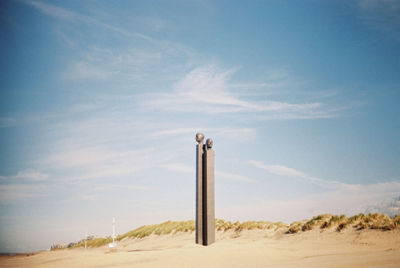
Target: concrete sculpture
x=205 y=201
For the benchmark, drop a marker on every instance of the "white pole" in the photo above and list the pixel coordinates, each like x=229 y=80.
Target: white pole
x=113 y=224
x=86 y=241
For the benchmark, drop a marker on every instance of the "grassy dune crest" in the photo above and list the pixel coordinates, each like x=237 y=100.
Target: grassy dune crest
x=222 y=225
x=358 y=222
x=167 y=227
x=323 y=222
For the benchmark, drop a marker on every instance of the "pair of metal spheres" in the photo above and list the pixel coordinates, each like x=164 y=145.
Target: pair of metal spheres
x=200 y=138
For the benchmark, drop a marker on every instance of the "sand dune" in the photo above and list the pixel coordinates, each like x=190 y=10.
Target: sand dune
x=249 y=248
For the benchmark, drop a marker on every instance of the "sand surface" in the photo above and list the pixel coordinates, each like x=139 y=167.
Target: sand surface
x=255 y=248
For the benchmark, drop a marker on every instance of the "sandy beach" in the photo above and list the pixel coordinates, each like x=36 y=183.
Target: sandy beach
x=250 y=248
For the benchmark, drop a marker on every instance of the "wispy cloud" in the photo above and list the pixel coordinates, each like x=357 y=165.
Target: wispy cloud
x=21 y=191
x=87 y=70
x=95 y=191
x=207 y=89
x=126 y=64
x=279 y=170
x=176 y=131
x=177 y=167
x=237 y=134
x=230 y=133
x=234 y=177
x=69 y=15
x=25 y=184
x=99 y=187
x=391 y=207
x=293 y=173
x=28 y=175
x=99 y=162
x=31 y=175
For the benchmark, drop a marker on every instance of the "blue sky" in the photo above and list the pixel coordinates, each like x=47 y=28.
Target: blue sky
x=101 y=101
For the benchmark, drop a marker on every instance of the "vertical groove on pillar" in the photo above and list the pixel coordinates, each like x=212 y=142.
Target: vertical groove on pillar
x=204 y=196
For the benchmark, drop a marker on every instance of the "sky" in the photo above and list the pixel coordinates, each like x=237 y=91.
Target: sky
x=100 y=102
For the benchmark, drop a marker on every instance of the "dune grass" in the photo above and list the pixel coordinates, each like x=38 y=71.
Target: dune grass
x=340 y=222
x=324 y=222
x=222 y=225
x=94 y=243
x=160 y=229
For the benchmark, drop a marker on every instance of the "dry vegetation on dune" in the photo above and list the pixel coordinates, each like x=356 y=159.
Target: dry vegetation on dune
x=164 y=228
x=167 y=227
x=358 y=222
x=221 y=225
x=323 y=222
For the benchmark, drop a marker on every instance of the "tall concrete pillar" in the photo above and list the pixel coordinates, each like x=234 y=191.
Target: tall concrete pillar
x=199 y=187
x=205 y=201
x=209 y=211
